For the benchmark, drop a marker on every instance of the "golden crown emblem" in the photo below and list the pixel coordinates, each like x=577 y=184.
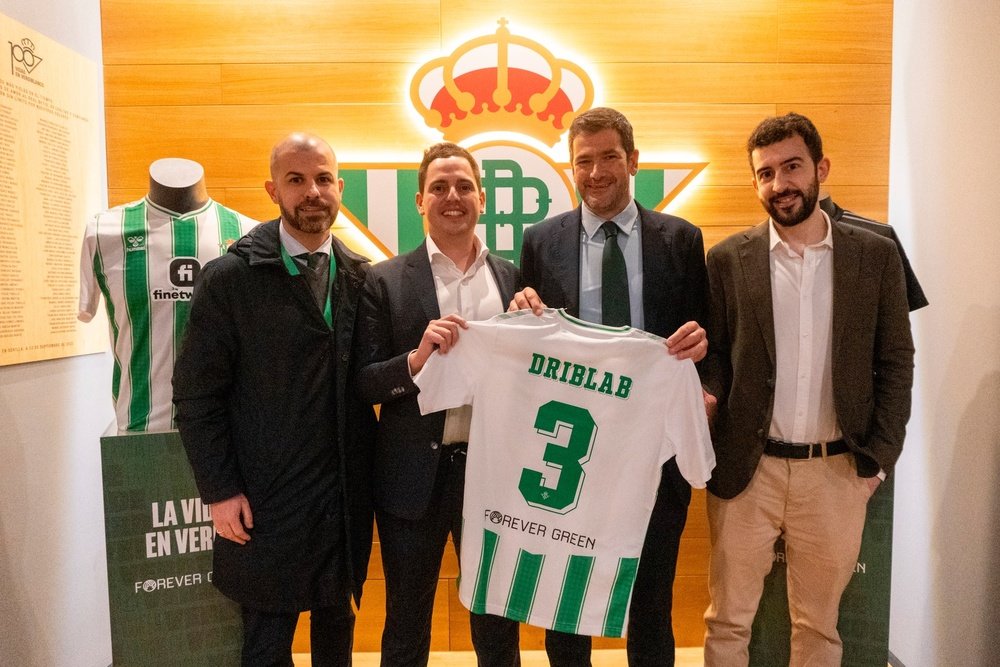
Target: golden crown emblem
x=501 y=82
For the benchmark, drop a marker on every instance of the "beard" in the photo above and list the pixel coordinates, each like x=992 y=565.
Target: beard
x=796 y=215
x=309 y=222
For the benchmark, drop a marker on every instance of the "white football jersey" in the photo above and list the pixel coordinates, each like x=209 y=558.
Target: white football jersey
x=144 y=260
x=571 y=423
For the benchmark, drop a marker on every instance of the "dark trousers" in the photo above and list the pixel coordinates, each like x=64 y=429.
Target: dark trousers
x=411 y=558
x=650 y=641
x=267 y=636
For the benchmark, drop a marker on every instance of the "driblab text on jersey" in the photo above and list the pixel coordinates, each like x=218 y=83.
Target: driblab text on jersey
x=579 y=375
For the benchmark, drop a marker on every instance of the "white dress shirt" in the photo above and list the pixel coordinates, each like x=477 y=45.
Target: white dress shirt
x=592 y=253
x=802 y=298
x=293 y=247
x=474 y=295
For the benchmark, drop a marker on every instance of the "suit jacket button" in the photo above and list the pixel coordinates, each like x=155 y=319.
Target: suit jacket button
x=770 y=383
x=760 y=433
x=434 y=445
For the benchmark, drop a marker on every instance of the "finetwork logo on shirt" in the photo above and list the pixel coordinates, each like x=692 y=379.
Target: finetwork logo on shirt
x=184 y=271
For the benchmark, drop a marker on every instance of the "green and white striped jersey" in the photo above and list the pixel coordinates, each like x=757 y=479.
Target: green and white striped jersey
x=144 y=259
x=571 y=423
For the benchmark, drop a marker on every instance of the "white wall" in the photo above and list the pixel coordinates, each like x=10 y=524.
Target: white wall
x=945 y=151
x=53 y=576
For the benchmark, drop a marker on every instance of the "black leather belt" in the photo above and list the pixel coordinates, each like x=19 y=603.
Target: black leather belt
x=795 y=450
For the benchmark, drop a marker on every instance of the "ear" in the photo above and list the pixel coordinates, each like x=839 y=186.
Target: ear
x=340 y=185
x=420 y=203
x=633 y=162
x=482 y=200
x=823 y=169
x=269 y=186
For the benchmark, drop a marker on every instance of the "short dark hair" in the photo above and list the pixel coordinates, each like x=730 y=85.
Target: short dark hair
x=602 y=118
x=778 y=128
x=446 y=149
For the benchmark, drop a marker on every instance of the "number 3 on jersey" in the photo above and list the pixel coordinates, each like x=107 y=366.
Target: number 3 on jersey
x=574 y=426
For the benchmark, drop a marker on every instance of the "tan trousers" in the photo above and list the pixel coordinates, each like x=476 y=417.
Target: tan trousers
x=819 y=506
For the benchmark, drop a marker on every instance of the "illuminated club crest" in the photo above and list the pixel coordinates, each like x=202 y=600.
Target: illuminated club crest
x=501 y=82
x=495 y=85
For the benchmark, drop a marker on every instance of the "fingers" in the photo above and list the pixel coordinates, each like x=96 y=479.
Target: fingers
x=689 y=342
x=440 y=334
x=232 y=518
x=711 y=405
x=527 y=299
x=443 y=333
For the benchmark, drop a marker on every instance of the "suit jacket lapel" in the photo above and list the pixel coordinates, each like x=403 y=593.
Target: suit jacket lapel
x=755 y=263
x=566 y=253
x=655 y=277
x=846 y=278
x=419 y=282
x=505 y=280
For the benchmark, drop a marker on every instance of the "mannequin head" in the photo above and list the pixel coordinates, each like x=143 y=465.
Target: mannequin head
x=177 y=184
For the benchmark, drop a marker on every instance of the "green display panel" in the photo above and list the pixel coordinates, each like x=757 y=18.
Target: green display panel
x=164 y=609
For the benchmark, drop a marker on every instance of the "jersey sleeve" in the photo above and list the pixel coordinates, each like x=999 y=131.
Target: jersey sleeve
x=686 y=427
x=448 y=380
x=90 y=291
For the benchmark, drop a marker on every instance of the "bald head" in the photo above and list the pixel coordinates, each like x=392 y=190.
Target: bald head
x=305 y=186
x=299 y=142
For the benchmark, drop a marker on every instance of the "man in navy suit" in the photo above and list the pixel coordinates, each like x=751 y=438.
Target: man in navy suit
x=664 y=258
x=413 y=304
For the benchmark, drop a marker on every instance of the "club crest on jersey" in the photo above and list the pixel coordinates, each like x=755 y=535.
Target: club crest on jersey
x=507 y=85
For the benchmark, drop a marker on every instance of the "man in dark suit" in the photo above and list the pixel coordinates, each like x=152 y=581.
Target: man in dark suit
x=811 y=361
x=413 y=304
x=664 y=292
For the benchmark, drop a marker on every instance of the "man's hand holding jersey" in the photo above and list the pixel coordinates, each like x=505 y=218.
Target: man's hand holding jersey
x=441 y=335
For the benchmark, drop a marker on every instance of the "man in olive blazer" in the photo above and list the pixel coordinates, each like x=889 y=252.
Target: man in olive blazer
x=872 y=352
x=811 y=361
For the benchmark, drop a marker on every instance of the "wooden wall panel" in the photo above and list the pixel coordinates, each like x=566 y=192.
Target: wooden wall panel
x=315 y=83
x=149 y=85
x=634 y=31
x=286 y=31
x=836 y=31
x=218 y=81
x=743 y=83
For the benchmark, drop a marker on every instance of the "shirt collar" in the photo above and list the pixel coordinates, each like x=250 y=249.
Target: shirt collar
x=292 y=245
x=625 y=220
x=435 y=255
x=775 y=240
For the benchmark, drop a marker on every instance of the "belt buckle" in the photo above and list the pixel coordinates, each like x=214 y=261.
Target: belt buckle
x=822 y=449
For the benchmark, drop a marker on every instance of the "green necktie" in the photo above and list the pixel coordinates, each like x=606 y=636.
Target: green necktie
x=615 y=310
